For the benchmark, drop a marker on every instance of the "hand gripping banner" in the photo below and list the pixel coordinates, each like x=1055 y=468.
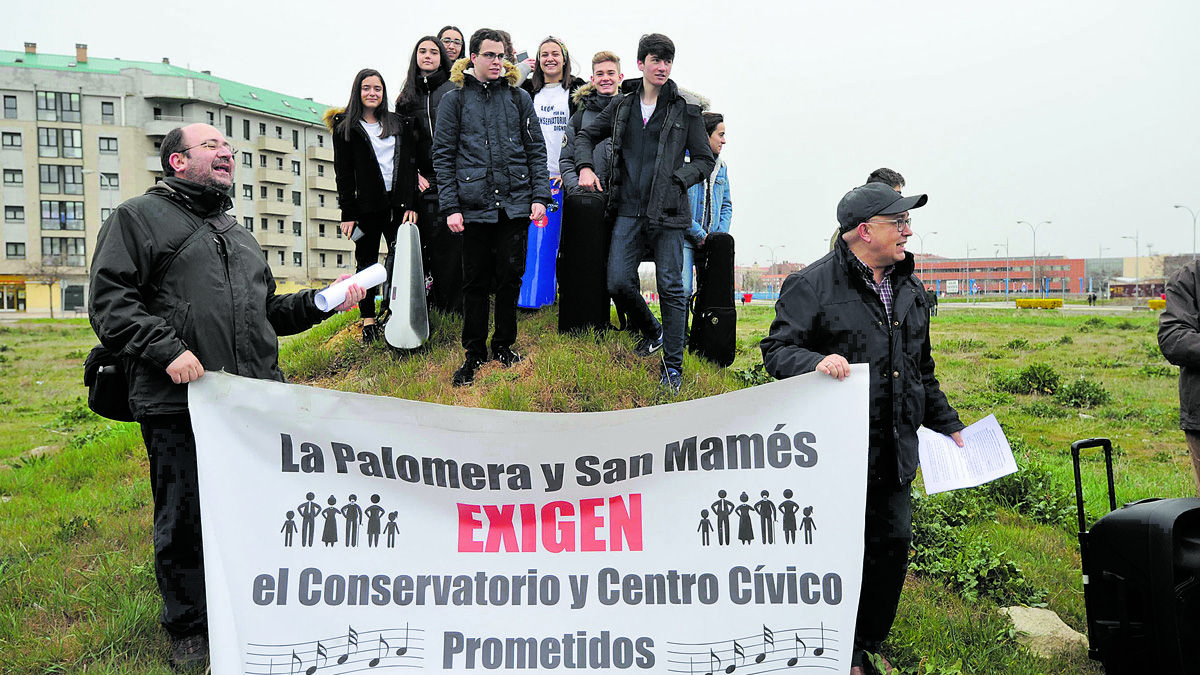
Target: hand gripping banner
x=346 y=533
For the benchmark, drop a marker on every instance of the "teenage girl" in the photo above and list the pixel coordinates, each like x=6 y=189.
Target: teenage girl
x=376 y=178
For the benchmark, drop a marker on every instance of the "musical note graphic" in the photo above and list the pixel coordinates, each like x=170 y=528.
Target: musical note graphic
x=712 y=656
x=800 y=648
x=383 y=647
x=295 y=662
x=768 y=644
x=322 y=653
x=821 y=650
x=737 y=651
x=351 y=641
x=403 y=650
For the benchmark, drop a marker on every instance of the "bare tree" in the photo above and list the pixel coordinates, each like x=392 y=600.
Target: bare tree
x=48 y=271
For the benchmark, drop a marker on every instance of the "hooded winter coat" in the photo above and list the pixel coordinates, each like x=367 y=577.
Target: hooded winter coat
x=646 y=180
x=423 y=111
x=827 y=308
x=216 y=297
x=488 y=151
x=589 y=103
x=1179 y=340
x=360 y=186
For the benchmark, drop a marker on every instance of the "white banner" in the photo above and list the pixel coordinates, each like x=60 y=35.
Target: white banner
x=348 y=533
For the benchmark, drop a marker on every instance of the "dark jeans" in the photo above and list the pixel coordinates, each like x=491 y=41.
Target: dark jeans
x=630 y=238
x=441 y=253
x=492 y=252
x=887 y=537
x=178 y=553
x=366 y=253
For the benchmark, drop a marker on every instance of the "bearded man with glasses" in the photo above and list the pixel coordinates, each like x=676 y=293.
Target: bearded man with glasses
x=178 y=288
x=861 y=303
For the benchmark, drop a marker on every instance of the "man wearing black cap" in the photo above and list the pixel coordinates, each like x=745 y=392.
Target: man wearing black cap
x=860 y=303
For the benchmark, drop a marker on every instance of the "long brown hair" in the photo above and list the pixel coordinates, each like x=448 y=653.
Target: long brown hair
x=355 y=108
x=408 y=93
x=539 y=78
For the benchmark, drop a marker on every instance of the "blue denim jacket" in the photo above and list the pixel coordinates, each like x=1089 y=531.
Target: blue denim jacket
x=720 y=204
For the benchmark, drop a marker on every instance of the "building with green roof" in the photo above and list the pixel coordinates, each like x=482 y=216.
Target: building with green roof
x=80 y=134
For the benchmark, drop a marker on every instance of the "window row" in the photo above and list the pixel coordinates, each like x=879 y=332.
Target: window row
x=71 y=252
x=60 y=107
x=67 y=143
x=262 y=131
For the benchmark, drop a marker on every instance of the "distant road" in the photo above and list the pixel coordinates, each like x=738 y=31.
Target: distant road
x=1098 y=309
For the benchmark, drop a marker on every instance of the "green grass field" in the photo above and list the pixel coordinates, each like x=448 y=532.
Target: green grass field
x=77 y=590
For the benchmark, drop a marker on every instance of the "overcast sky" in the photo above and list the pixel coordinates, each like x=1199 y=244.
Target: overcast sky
x=1086 y=114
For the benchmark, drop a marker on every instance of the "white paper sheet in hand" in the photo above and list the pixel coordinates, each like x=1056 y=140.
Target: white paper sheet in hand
x=336 y=294
x=985 y=457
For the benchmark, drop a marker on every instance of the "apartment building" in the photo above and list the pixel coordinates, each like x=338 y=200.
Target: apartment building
x=80 y=134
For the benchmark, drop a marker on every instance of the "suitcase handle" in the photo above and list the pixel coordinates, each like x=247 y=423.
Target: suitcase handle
x=1112 y=494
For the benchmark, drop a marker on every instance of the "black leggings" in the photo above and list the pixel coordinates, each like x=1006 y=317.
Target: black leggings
x=366 y=253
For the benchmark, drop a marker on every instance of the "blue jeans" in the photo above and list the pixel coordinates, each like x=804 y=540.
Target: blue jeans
x=631 y=237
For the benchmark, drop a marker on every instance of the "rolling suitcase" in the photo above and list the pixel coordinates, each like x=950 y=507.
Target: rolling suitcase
x=407 y=326
x=583 y=264
x=1141 y=579
x=714 y=318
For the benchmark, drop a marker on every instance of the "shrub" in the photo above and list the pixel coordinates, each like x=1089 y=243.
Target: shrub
x=993 y=354
x=1017 y=343
x=1094 y=322
x=1065 y=340
x=1157 y=303
x=1039 y=303
x=1006 y=380
x=1082 y=393
x=1038 y=378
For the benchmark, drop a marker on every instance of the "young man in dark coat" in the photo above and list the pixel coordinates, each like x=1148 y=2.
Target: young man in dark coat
x=860 y=303
x=173 y=306
x=653 y=128
x=490 y=161
x=1179 y=340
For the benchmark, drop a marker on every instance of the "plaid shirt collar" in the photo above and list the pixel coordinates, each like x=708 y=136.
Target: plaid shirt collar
x=883 y=289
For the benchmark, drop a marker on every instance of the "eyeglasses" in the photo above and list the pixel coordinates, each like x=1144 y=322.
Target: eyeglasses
x=900 y=223
x=452 y=41
x=211 y=144
x=489 y=56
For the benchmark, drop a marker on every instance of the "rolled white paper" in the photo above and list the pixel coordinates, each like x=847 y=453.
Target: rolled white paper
x=336 y=294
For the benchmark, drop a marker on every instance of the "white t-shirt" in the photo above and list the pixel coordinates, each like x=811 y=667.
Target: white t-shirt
x=647 y=111
x=385 y=151
x=550 y=104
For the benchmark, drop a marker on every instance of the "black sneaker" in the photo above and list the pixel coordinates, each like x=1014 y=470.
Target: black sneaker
x=671 y=379
x=466 y=372
x=371 y=333
x=506 y=356
x=648 y=345
x=189 y=654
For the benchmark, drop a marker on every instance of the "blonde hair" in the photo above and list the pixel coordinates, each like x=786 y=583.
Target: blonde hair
x=601 y=57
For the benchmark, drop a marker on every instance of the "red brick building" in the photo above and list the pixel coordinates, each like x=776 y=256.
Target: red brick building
x=987 y=275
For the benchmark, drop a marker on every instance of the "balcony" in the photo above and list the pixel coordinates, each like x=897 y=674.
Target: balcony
x=329 y=242
x=265 y=175
x=267 y=207
x=325 y=154
x=269 y=144
x=154 y=164
x=160 y=125
x=324 y=213
x=322 y=183
x=272 y=237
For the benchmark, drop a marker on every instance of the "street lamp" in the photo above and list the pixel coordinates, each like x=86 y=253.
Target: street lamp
x=1006 y=265
x=921 y=238
x=1137 y=270
x=771 y=270
x=967 y=272
x=1033 y=228
x=1194 y=214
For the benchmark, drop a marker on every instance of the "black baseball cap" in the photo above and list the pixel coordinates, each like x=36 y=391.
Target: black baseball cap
x=873 y=199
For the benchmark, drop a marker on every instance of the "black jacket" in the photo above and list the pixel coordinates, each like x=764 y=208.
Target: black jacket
x=659 y=193
x=488 y=152
x=360 y=186
x=1179 y=340
x=589 y=104
x=423 y=112
x=827 y=308
x=217 y=298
